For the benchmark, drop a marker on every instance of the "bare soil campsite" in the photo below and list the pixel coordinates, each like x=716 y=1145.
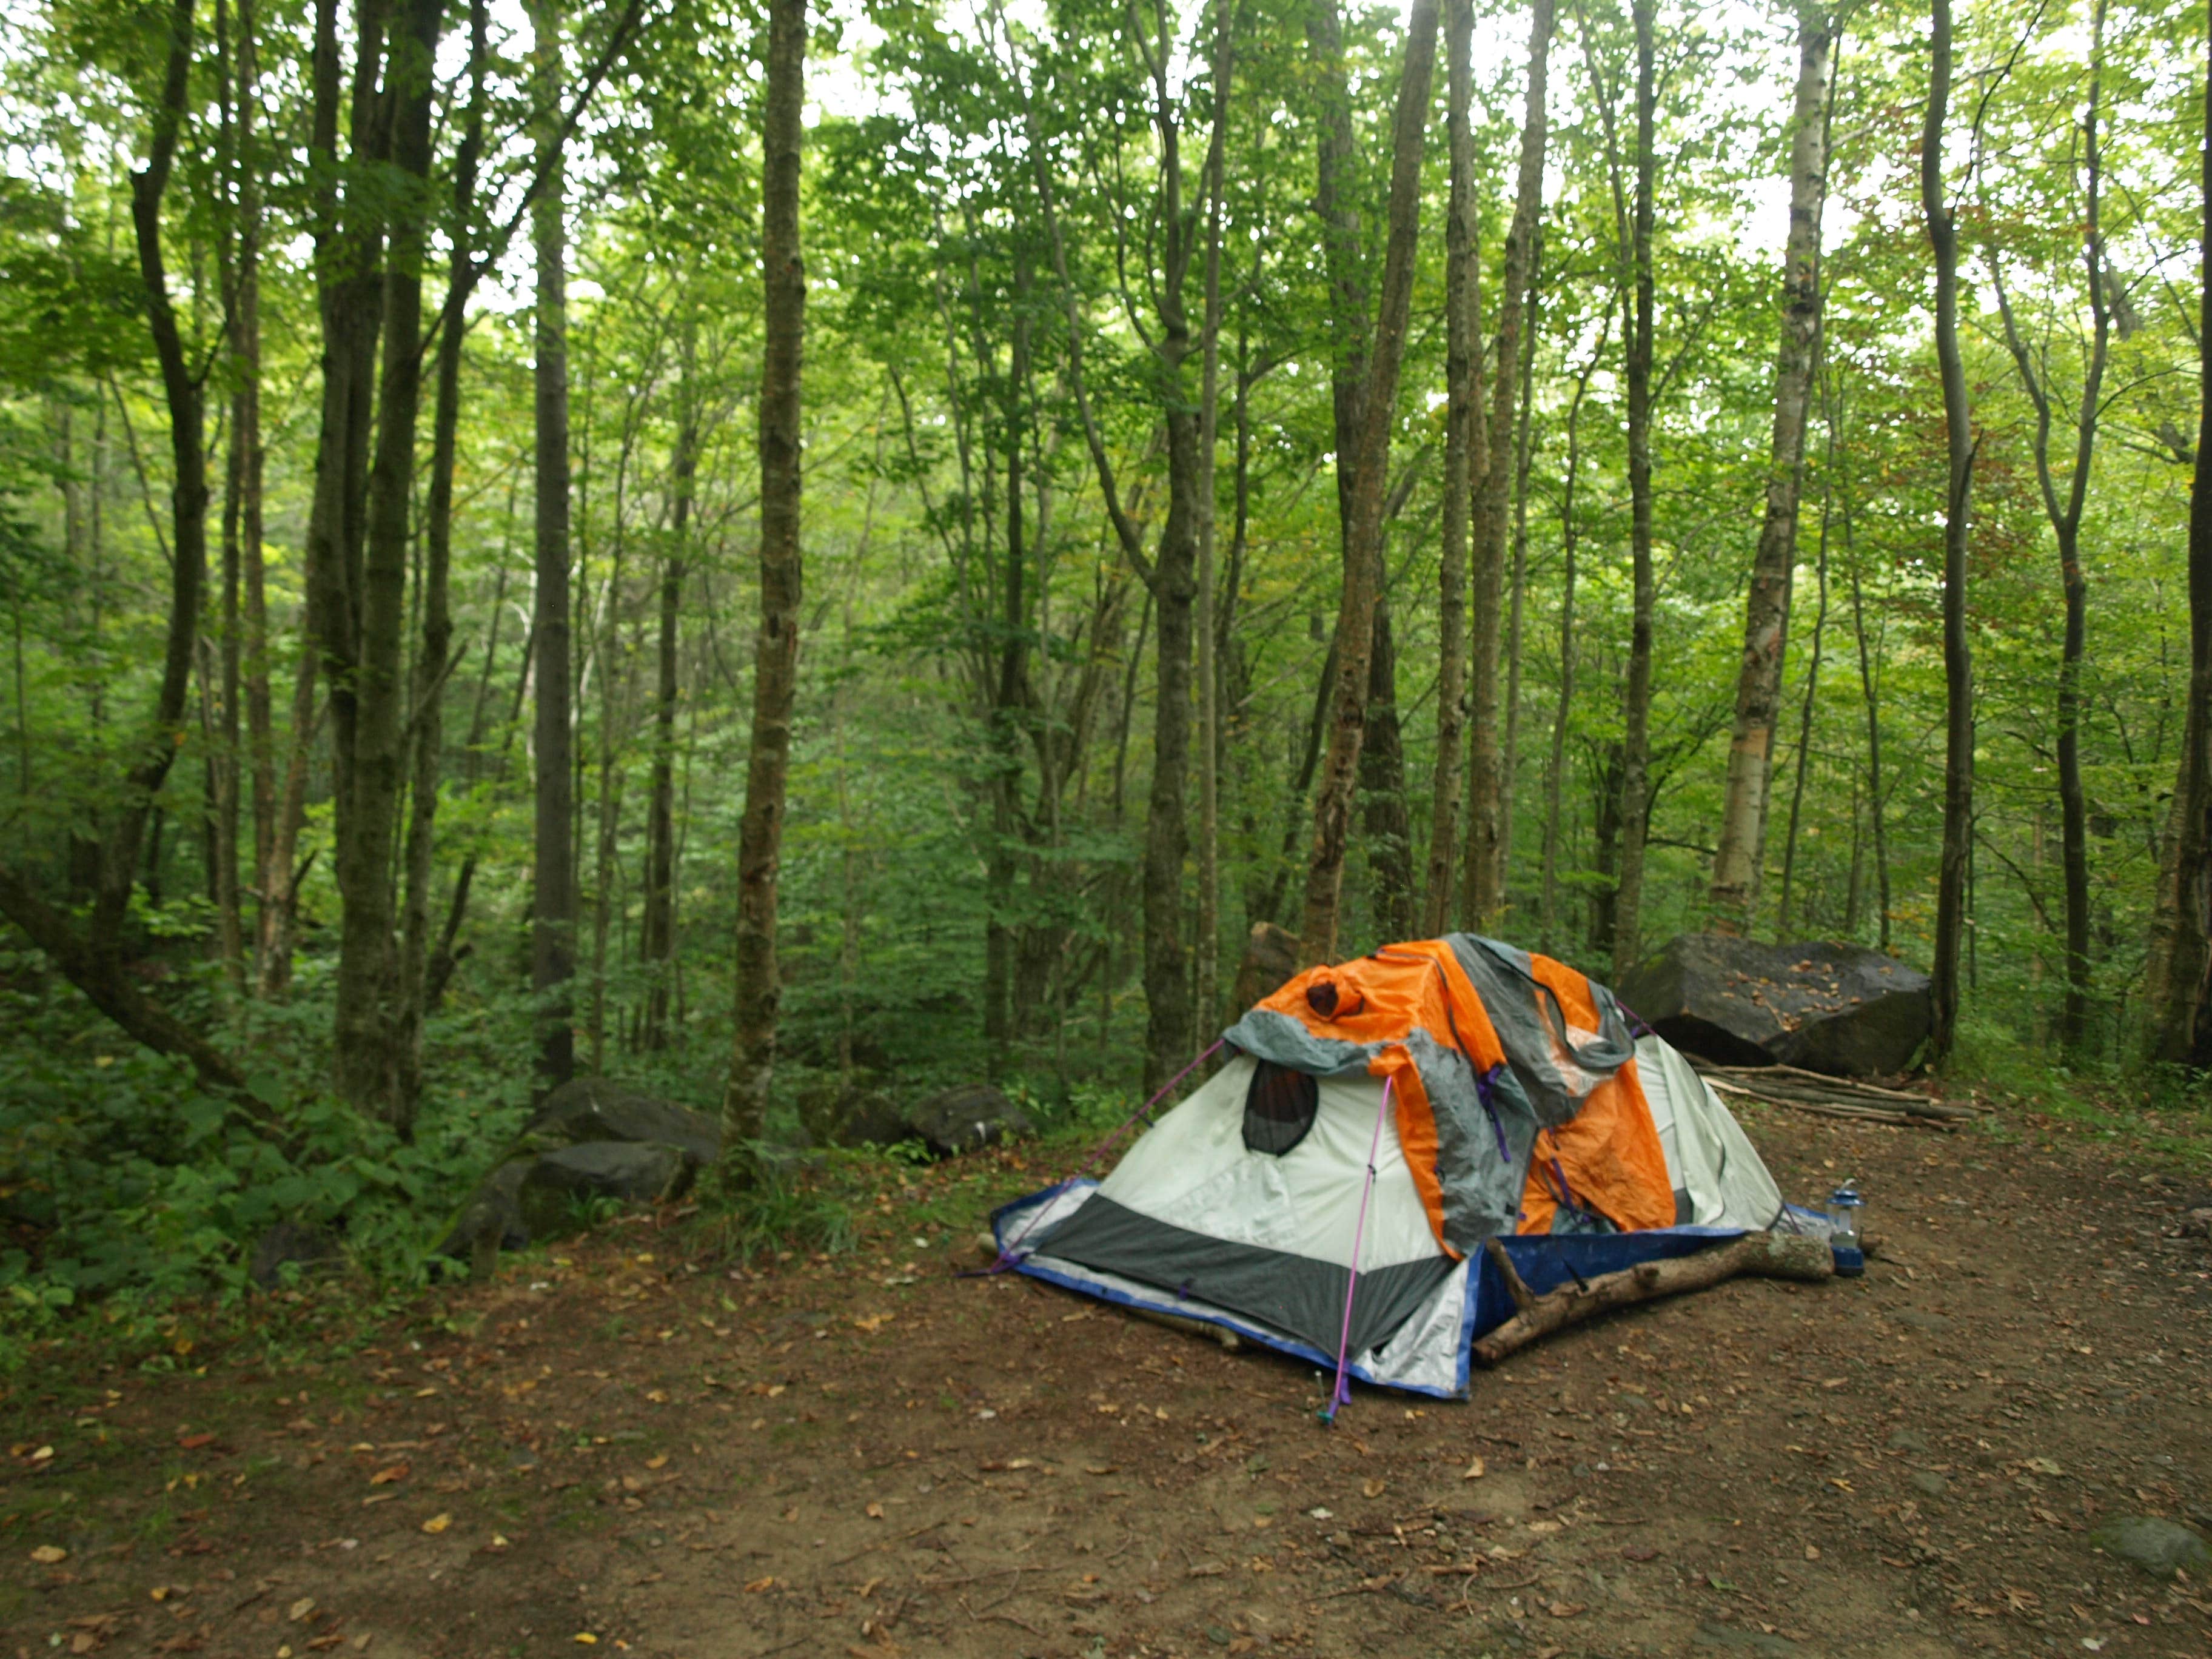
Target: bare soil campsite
x=624 y=1444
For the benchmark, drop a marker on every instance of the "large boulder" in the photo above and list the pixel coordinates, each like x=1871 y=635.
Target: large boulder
x=634 y=1172
x=963 y=1119
x=855 y=1114
x=1827 y=1007
x=598 y=1108
x=590 y=1137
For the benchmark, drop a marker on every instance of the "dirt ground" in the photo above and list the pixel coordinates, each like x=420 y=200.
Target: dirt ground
x=615 y=1445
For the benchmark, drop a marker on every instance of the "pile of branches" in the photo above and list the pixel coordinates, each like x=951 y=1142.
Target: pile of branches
x=1833 y=1096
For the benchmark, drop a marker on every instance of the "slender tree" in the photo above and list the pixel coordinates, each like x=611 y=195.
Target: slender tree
x=1635 y=787
x=1459 y=421
x=1363 y=538
x=1483 y=877
x=2179 y=989
x=1740 y=861
x=1959 y=444
x=776 y=650
x=553 y=902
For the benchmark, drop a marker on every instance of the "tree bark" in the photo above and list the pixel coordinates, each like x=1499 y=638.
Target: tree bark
x=1555 y=765
x=1483 y=877
x=2065 y=515
x=1362 y=540
x=1957 y=660
x=1209 y=418
x=2179 y=989
x=434 y=661
x=776 y=652
x=1738 y=864
x=1518 y=579
x=1460 y=278
x=1805 y=718
x=657 y=936
x=1636 y=702
x=1770 y=1255
x=553 y=904
x=1384 y=821
x=370 y=1032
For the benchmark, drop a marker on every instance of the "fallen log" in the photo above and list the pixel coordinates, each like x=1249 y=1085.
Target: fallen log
x=1768 y=1255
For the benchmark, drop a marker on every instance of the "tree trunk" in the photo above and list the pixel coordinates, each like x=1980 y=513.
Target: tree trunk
x=227 y=752
x=1805 y=718
x=1738 y=864
x=776 y=652
x=1209 y=418
x=245 y=437
x=1958 y=661
x=553 y=904
x=433 y=662
x=1635 y=704
x=1482 y=892
x=370 y=1070
x=1363 y=542
x=1517 y=579
x=1555 y=765
x=2179 y=993
x=1384 y=819
x=1870 y=689
x=1460 y=278
x=656 y=938
x=2065 y=516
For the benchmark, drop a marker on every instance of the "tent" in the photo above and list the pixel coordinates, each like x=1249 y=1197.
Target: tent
x=1389 y=1116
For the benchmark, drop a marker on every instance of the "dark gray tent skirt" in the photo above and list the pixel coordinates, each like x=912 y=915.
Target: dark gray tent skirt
x=1296 y=1294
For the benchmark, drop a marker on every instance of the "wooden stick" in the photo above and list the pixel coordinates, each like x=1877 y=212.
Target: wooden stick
x=1771 y=1255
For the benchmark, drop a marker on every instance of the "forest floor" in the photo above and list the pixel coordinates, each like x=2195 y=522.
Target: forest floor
x=620 y=1443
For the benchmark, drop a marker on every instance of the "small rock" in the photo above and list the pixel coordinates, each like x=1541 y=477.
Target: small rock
x=2155 y=1546
x=1928 y=1482
x=1910 y=1440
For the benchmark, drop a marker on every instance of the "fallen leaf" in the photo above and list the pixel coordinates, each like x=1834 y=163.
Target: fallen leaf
x=659 y=1462
x=875 y=1511
x=1640 y=1553
x=437 y=1523
x=385 y=1477
x=1376 y=1488
x=1474 y=1471
x=194 y=1441
x=586 y=1639
x=2044 y=1465
x=47 y=1555
x=300 y=1609
x=759 y=1585
x=1564 y=1609
x=1812 y=1551
x=1101 y=1469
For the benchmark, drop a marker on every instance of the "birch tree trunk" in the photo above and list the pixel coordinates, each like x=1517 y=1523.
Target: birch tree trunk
x=1739 y=863
x=776 y=650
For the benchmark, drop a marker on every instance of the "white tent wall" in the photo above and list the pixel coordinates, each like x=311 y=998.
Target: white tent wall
x=1718 y=1175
